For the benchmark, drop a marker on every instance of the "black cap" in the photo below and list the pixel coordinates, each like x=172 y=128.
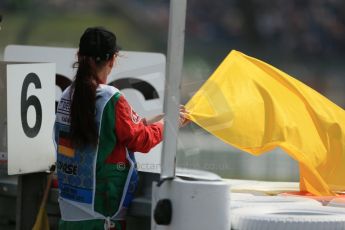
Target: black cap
x=98 y=43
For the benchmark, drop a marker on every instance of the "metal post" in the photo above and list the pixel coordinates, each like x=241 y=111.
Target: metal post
x=172 y=86
x=29 y=196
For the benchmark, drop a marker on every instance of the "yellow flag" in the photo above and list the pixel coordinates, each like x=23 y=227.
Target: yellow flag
x=255 y=107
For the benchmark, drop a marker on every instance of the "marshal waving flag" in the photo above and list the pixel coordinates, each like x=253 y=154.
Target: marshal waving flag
x=255 y=107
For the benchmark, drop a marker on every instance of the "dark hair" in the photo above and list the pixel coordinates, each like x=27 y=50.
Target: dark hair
x=96 y=47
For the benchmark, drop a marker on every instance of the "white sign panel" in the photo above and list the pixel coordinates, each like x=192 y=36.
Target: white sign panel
x=139 y=75
x=30 y=117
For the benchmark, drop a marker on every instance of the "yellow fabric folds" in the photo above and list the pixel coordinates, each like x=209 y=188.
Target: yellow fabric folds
x=256 y=108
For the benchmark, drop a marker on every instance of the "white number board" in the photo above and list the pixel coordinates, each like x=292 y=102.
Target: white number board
x=30 y=117
x=139 y=75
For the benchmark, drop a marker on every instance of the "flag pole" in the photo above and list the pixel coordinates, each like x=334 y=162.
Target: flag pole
x=177 y=20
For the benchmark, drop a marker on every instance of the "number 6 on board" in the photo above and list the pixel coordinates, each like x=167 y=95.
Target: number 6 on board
x=32 y=100
x=30 y=116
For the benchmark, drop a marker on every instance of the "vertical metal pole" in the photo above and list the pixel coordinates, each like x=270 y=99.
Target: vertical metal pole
x=29 y=197
x=177 y=21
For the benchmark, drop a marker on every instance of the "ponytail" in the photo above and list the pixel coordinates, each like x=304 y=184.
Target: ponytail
x=83 y=126
x=97 y=46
